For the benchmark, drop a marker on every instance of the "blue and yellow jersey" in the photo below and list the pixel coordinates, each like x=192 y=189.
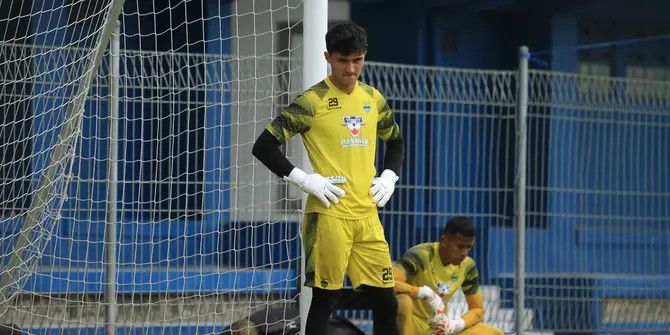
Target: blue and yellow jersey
x=340 y=133
x=423 y=266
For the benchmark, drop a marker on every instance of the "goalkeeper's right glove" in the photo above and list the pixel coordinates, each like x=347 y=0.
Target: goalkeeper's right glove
x=315 y=184
x=434 y=300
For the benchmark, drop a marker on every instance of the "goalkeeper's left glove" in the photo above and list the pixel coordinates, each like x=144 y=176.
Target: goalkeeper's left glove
x=383 y=187
x=441 y=325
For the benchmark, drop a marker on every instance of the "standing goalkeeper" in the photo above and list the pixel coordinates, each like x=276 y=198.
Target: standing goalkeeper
x=339 y=120
x=431 y=272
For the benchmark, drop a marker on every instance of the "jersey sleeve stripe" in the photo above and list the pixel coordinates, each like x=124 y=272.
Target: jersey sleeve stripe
x=294 y=119
x=471 y=282
x=387 y=128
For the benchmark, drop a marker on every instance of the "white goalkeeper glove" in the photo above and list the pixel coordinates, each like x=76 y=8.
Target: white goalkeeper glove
x=383 y=187
x=434 y=300
x=323 y=188
x=441 y=325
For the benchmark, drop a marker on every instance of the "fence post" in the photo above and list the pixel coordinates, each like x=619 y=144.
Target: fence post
x=520 y=192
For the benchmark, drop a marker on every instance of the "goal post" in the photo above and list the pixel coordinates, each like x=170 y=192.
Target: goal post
x=314 y=70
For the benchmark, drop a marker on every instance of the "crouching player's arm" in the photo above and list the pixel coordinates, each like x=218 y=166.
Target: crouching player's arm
x=405 y=293
x=471 y=320
x=443 y=326
x=415 y=292
x=475 y=312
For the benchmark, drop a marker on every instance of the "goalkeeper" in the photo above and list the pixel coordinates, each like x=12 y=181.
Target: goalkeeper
x=429 y=274
x=340 y=119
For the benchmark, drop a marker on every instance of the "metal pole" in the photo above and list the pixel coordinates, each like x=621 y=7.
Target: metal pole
x=315 y=69
x=520 y=205
x=112 y=177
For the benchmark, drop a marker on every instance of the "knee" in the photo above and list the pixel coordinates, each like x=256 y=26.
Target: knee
x=482 y=329
x=405 y=305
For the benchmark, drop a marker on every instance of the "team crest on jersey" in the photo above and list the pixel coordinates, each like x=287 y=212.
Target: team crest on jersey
x=354 y=124
x=366 y=107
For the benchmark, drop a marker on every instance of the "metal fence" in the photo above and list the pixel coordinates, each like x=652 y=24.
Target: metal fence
x=597 y=219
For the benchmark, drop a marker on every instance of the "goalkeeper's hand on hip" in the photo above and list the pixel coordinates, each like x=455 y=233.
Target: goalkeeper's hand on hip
x=323 y=188
x=383 y=187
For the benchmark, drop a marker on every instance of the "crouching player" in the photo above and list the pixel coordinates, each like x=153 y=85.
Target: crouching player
x=429 y=274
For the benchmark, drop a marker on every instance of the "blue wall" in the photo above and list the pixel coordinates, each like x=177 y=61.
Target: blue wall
x=218 y=116
x=391 y=40
x=191 y=241
x=433 y=37
x=487 y=35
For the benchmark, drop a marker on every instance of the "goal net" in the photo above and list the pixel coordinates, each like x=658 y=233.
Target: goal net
x=129 y=198
x=44 y=92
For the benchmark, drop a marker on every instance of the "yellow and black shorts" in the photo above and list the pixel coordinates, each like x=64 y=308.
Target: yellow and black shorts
x=335 y=246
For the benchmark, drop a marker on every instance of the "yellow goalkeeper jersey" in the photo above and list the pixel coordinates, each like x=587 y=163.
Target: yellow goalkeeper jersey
x=340 y=133
x=423 y=266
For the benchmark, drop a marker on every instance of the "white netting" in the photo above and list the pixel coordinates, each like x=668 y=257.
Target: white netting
x=43 y=93
x=205 y=236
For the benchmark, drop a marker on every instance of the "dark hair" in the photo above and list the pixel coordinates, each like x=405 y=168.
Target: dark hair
x=459 y=225
x=346 y=38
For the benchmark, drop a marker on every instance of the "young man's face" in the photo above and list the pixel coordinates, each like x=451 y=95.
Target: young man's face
x=345 y=68
x=455 y=247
